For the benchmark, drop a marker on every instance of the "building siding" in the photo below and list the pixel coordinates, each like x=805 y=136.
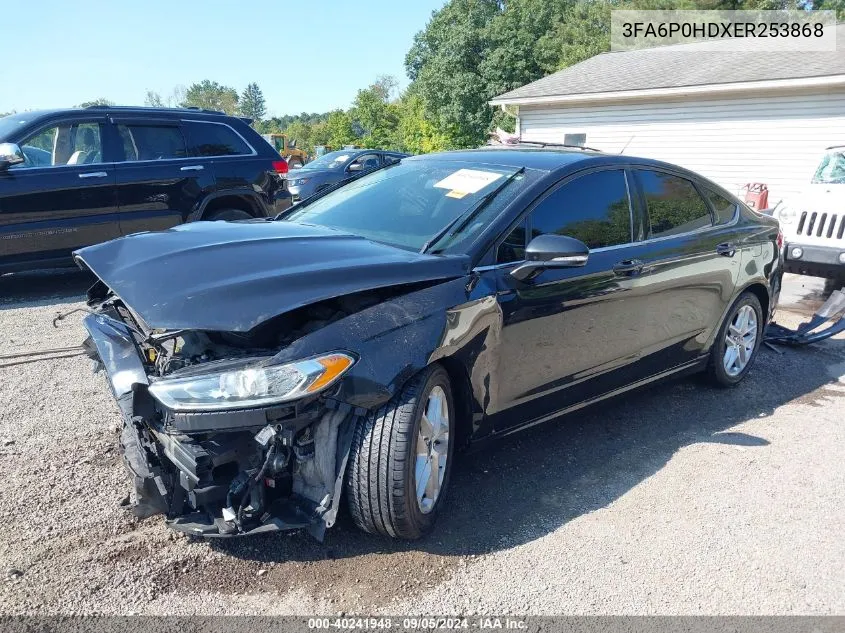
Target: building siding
x=776 y=139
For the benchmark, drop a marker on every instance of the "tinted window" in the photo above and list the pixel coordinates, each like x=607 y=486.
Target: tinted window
x=151 y=142
x=724 y=208
x=593 y=208
x=212 y=139
x=674 y=205
x=63 y=144
x=513 y=248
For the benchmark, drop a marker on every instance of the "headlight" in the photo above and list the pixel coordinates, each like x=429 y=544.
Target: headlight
x=252 y=385
x=296 y=182
x=787 y=215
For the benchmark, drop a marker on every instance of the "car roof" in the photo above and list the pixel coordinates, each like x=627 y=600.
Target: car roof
x=542 y=158
x=192 y=111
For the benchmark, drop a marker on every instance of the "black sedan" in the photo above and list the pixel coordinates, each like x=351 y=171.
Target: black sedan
x=267 y=370
x=334 y=167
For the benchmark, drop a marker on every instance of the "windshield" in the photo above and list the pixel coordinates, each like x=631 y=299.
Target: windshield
x=11 y=123
x=832 y=169
x=332 y=160
x=410 y=202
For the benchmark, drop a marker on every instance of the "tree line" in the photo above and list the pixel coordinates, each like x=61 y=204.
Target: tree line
x=469 y=52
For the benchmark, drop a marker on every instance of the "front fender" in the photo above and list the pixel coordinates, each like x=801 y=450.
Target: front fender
x=397 y=338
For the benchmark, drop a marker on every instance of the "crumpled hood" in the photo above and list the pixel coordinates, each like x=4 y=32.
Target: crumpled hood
x=232 y=276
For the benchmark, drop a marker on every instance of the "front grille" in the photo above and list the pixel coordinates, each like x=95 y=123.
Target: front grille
x=828 y=225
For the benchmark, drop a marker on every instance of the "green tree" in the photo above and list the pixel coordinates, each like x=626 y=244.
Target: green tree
x=96 y=102
x=377 y=118
x=339 y=130
x=443 y=64
x=212 y=96
x=153 y=99
x=252 y=103
x=417 y=134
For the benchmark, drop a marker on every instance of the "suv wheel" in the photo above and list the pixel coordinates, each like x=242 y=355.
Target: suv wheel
x=737 y=342
x=401 y=458
x=228 y=214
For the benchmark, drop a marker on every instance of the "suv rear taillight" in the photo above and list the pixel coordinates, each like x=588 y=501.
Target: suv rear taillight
x=280 y=166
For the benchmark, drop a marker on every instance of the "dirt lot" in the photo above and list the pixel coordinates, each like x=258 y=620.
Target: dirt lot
x=681 y=499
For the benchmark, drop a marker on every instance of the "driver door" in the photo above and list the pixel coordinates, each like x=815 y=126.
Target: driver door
x=572 y=334
x=62 y=197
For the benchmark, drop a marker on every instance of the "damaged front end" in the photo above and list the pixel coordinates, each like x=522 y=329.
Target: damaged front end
x=217 y=436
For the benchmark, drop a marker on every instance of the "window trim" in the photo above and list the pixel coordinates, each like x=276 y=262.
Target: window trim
x=529 y=209
x=71 y=120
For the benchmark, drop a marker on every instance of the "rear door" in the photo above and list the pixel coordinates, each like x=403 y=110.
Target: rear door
x=236 y=164
x=62 y=197
x=691 y=258
x=158 y=184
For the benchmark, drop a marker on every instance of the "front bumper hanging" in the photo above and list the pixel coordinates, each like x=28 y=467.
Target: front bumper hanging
x=832 y=311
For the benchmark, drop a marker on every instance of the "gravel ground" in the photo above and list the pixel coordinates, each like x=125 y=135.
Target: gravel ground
x=679 y=500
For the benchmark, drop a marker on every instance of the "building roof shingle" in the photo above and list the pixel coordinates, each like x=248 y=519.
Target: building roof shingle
x=680 y=66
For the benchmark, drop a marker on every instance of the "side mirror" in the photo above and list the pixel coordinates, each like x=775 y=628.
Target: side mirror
x=355 y=167
x=10 y=154
x=551 y=251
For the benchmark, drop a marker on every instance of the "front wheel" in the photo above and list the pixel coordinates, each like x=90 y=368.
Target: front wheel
x=228 y=215
x=401 y=458
x=737 y=342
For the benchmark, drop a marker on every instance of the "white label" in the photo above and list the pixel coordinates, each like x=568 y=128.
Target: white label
x=468 y=180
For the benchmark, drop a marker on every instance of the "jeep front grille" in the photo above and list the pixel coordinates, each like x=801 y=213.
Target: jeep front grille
x=822 y=224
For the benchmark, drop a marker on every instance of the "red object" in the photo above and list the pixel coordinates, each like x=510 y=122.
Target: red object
x=280 y=166
x=780 y=238
x=757 y=196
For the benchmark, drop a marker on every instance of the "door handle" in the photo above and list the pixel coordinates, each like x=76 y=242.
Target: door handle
x=93 y=174
x=193 y=168
x=726 y=248
x=628 y=267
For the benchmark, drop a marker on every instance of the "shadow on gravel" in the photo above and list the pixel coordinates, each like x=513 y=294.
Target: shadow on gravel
x=530 y=484
x=43 y=287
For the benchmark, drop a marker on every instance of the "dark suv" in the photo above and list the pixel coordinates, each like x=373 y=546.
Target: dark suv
x=71 y=178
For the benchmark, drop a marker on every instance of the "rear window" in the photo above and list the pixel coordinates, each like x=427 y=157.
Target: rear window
x=151 y=142
x=214 y=139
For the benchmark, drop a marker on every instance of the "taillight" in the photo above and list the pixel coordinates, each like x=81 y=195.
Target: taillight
x=780 y=238
x=280 y=166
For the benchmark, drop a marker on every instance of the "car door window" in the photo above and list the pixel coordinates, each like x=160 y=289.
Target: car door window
x=512 y=249
x=151 y=142
x=214 y=139
x=592 y=208
x=77 y=143
x=391 y=158
x=363 y=163
x=674 y=206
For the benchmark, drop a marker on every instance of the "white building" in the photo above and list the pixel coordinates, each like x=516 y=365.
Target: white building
x=734 y=117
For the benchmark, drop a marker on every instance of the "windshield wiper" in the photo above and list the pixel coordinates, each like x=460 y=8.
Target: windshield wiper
x=466 y=217
x=333 y=187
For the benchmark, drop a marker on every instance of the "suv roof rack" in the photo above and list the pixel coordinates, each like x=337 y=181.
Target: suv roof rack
x=545 y=144
x=192 y=108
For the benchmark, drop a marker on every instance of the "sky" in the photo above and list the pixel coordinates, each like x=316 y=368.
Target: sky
x=306 y=55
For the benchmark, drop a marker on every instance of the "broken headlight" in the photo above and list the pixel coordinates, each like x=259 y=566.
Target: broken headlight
x=251 y=385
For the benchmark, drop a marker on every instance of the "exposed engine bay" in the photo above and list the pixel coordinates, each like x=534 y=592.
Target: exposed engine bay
x=225 y=472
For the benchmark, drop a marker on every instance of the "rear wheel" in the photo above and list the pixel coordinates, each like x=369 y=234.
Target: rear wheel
x=228 y=214
x=401 y=458
x=737 y=342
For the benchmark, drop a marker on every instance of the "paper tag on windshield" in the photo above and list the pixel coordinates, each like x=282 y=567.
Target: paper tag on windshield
x=466 y=181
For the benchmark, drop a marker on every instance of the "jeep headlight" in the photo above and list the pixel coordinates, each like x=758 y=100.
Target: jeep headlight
x=787 y=215
x=254 y=384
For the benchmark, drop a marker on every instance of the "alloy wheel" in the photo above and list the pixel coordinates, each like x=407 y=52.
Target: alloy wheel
x=740 y=341
x=432 y=450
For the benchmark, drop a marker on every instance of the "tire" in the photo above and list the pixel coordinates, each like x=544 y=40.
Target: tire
x=228 y=215
x=381 y=480
x=718 y=370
